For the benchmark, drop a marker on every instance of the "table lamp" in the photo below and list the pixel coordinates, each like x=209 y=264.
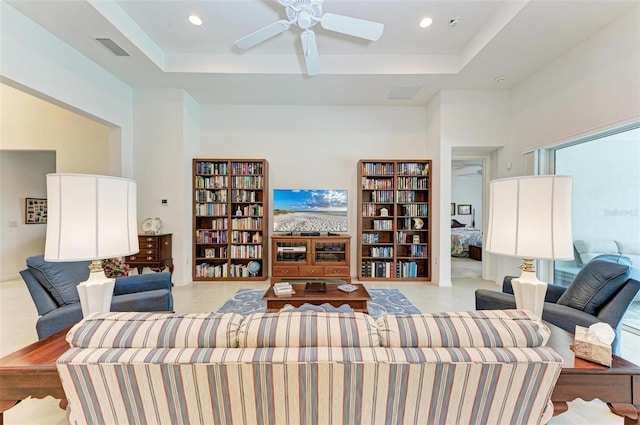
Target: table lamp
x=91 y=217
x=530 y=217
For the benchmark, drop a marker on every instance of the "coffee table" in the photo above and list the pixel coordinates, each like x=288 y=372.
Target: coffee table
x=357 y=300
x=618 y=385
x=31 y=372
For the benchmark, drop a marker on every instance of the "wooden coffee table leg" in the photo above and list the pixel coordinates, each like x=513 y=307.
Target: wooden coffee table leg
x=559 y=407
x=629 y=412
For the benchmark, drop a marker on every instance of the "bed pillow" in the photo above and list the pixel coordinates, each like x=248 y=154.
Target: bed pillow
x=59 y=279
x=595 y=284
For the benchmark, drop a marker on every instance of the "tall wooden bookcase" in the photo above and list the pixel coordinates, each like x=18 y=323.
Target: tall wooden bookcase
x=230 y=211
x=394 y=223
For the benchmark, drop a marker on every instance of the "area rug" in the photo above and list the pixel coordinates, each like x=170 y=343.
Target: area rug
x=383 y=301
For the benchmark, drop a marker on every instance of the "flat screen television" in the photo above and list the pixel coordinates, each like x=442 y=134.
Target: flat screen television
x=309 y=211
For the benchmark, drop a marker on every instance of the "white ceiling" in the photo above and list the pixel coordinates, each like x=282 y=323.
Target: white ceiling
x=510 y=38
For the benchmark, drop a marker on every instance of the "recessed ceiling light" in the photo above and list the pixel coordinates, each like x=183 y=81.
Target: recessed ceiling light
x=426 y=22
x=195 y=20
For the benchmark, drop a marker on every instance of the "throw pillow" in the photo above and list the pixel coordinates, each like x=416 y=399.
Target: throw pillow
x=595 y=284
x=59 y=279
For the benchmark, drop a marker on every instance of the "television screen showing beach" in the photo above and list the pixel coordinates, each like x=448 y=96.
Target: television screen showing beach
x=297 y=210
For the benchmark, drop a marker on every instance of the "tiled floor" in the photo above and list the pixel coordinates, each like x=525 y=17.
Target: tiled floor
x=18 y=316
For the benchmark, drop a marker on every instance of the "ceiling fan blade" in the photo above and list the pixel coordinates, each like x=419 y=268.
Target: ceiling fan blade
x=263 y=34
x=352 y=26
x=310 y=49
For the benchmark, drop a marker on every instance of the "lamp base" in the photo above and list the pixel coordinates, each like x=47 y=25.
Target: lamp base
x=529 y=292
x=96 y=292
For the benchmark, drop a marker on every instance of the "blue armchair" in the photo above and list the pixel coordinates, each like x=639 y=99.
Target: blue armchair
x=601 y=292
x=53 y=289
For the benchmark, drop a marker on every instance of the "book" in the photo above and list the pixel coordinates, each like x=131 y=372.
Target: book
x=281 y=289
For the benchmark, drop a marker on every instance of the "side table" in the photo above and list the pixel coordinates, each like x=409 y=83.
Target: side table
x=155 y=253
x=618 y=385
x=31 y=372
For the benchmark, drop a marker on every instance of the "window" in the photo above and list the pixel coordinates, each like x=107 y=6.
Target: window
x=606 y=201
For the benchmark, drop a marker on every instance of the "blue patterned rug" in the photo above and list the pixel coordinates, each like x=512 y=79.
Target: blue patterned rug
x=383 y=301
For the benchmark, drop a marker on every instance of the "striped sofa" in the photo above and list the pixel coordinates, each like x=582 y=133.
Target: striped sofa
x=481 y=367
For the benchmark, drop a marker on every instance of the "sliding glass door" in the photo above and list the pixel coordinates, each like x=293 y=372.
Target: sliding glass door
x=606 y=208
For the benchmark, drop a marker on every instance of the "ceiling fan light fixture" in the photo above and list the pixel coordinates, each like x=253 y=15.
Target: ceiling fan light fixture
x=195 y=20
x=426 y=22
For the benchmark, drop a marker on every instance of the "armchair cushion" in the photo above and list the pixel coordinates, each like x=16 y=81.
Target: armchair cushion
x=60 y=279
x=596 y=283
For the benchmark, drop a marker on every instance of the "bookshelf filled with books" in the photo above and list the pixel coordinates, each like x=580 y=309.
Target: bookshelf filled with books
x=230 y=205
x=394 y=223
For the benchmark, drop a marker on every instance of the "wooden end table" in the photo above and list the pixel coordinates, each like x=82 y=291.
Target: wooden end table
x=357 y=300
x=618 y=385
x=31 y=372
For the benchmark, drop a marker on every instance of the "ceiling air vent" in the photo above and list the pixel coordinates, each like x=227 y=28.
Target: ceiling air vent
x=404 y=93
x=111 y=45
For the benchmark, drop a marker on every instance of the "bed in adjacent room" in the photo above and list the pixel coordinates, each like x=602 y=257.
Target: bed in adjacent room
x=461 y=238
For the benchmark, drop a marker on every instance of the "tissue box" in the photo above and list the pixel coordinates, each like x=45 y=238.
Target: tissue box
x=594 y=351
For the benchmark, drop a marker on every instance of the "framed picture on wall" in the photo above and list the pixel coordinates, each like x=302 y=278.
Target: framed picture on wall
x=464 y=209
x=35 y=211
x=453 y=208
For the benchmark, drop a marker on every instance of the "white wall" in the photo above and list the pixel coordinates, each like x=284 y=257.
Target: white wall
x=167 y=131
x=35 y=61
x=467 y=190
x=593 y=87
x=314 y=146
x=31 y=125
x=477 y=120
x=22 y=175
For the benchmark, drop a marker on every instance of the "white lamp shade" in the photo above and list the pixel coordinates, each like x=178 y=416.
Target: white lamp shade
x=530 y=217
x=90 y=217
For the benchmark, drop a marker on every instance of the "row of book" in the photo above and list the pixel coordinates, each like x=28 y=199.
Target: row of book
x=211 y=236
x=245 y=237
x=416 y=210
x=382 y=251
x=246 y=251
x=389 y=269
x=222 y=270
x=209 y=195
x=377 y=168
x=413 y=183
x=369 y=183
x=211 y=182
x=246 y=168
x=211 y=210
x=247 y=182
x=209 y=167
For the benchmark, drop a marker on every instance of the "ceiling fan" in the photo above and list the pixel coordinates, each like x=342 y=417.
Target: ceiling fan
x=305 y=14
x=475 y=173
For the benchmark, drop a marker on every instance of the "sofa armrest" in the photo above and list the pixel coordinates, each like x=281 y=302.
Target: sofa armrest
x=142 y=283
x=554 y=292
x=58 y=319
x=617 y=306
x=41 y=298
x=551 y=296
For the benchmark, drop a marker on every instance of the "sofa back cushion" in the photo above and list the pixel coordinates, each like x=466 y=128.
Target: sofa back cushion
x=596 y=283
x=60 y=279
x=587 y=250
x=156 y=330
x=486 y=328
x=630 y=250
x=308 y=329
